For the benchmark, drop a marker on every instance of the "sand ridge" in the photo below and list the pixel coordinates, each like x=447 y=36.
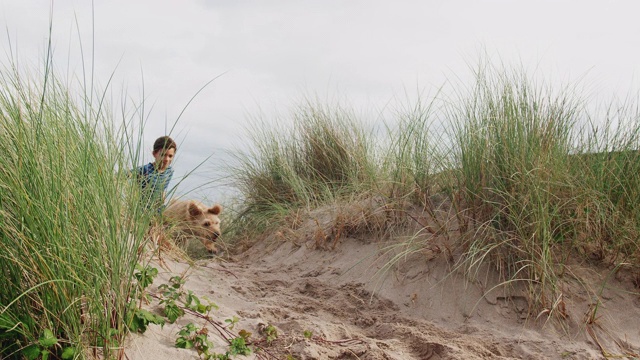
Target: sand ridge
x=353 y=309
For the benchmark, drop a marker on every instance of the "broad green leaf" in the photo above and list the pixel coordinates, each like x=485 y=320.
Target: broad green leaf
x=152 y=318
x=183 y=343
x=173 y=312
x=31 y=352
x=68 y=353
x=137 y=325
x=47 y=339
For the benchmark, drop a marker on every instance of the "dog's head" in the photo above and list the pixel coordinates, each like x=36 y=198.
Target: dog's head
x=205 y=224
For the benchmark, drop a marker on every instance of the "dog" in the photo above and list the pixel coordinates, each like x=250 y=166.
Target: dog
x=191 y=218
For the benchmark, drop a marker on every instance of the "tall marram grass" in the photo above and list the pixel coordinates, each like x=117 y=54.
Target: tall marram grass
x=513 y=146
x=416 y=156
x=538 y=183
x=68 y=230
x=533 y=177
x=607 y=176
x=325 y=155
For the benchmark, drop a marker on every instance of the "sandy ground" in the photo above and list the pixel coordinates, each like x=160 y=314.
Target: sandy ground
x=356 y=311
x=339 y=301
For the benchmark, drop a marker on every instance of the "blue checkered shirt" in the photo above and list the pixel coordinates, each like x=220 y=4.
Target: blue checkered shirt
x=153 y=184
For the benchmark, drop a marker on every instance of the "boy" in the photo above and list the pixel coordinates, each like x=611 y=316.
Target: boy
x=154 y=177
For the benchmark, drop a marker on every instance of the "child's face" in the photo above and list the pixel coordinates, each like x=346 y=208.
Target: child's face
x=164 y=158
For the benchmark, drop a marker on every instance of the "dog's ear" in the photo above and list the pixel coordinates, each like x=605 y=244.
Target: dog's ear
x=194 y=209
x=215 y=209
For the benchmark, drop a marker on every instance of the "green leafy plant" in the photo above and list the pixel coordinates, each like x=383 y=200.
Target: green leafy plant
x=194 y=303
x=270 y=332
x=172 y=311
x=232 y=322
x=193 y=337
x=145 y=275
x=184 y=340
x=238 y=346
x=43 y=347
x=47 y=346
x=224 y=356
x=172 y=293
x=176 y=281
x=142 y=318
x=68 y=353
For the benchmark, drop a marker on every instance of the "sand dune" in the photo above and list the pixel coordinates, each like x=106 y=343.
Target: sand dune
x=350 y=307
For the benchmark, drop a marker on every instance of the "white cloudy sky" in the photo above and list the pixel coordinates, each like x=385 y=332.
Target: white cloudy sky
x=269 y=53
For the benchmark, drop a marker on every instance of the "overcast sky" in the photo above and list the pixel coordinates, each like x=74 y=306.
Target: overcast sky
x=268 y=54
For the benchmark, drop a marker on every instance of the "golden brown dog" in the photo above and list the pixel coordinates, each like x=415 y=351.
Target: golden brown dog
x=192 y=218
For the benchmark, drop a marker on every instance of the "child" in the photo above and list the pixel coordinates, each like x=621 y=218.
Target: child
x=154 y=177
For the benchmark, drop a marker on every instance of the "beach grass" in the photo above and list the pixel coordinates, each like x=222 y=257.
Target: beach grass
x=70 y=226
x=532 y=178
x=532 y=175
x=323 y=156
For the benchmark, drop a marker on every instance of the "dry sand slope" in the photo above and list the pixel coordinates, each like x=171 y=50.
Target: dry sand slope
x=324 y=283
x=355 y=311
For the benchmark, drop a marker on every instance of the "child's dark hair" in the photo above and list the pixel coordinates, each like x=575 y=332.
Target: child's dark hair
x=164 y=143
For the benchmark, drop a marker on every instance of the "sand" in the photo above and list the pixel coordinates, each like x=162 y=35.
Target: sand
x=338 y=300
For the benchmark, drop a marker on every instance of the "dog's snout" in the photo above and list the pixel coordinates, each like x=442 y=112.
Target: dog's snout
x=216 y=234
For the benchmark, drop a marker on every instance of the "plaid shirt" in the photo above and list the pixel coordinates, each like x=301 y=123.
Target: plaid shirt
x=154 y=184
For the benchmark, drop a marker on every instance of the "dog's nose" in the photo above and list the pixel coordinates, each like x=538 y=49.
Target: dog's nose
x=216 y=234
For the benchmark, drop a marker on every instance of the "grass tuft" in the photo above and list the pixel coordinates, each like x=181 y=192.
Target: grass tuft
x=69 y=226
x=517 y=174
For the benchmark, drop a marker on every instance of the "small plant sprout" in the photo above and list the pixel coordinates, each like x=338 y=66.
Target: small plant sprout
x=192 y=337
x=177 y=281
x=172 y=293
x=194 y=303
x=232 y=322
x=269 y=331
x=238 y=345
